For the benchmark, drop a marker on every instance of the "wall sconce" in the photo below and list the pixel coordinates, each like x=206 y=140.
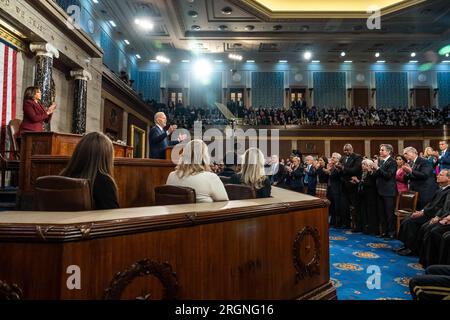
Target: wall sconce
x=373 y=90
x=349 y=91
x=310 y=92
x=411 y=92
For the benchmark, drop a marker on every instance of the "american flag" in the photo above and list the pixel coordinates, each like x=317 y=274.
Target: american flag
x=8 y=83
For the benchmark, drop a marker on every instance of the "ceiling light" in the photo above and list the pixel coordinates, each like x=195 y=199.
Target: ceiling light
x=282 y=61
x=112 y=23
x=307 y=55
x=447 y=55
x=138 y=56
x=445 y=61
x=153 y=61
x=95 y=1
x=348 y=61
x=127 y=42
x=413 y=54
x=202 y=69
x=343 y=54
x=315 y=61
x=144 y=24
x=185 y=61
x=250 y=61
x=413 y=61
x=381 y=61
x=218 y=61
x=377 y=55
x=233 y=56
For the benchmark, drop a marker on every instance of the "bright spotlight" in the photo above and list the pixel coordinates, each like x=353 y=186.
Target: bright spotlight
x=377 y=55
x=413 y=54
x=307 y=55
x=343 y=54
x=202 y=69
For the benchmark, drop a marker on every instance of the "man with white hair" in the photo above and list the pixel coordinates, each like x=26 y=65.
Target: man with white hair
x=159 y=137
x=310 y=179
x=419 y=175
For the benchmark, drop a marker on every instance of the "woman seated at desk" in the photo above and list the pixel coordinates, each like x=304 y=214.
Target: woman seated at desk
x=253 y=174
x=193 y=171
x=93 y=160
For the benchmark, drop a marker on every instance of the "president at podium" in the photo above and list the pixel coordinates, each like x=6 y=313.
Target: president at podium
x=159 y=137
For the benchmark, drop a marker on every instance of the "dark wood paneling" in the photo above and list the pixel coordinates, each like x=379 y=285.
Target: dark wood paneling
x=361 y=97
x=285 y=148
x=112 y=120
x=418 y=144
x=338 y=146
x=375 y=146
x=312 y=147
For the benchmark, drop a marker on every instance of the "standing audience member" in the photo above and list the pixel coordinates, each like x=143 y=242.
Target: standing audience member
x=193 y=171
x=385 y=172
x=444 y=155
x=296 y=175
x=419 y=175
x=310 y=179
x=253 y=174
x=400 y=175
x=322 y=176
x=334 y=191
x=93 y=160
x=429 y=154
x=34 y=113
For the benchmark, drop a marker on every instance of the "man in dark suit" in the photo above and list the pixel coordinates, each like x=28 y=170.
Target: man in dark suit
x=444 y=155
x=310 y=179
x=410 y=226
x=276 y=171
x=159 y=137
x=350 y=167
x=384 y=171
x=301 y=105
x=419 y=175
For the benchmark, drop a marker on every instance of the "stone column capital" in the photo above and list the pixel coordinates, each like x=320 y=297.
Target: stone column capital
x=81 y=75
x=44 y=49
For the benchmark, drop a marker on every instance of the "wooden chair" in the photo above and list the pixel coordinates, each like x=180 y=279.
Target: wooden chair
x=167 y=195
x=240 y=192
x=406 y=204
x=56 y=193
x=10 y=159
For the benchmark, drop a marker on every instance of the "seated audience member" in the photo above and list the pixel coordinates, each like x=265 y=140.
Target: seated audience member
x=230 y=163
x=367 y=190
x=433 y=285
x=434 y=244
x=296 y=175
x=93 y=160
x=402 y=185
x=310 y=180
x=410 y=226
x=253 y=174
x=419 y=174
x=194 y=171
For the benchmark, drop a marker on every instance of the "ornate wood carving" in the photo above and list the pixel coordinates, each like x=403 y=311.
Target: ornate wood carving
x=10 y=292
x=308 y=268
x=162 y=271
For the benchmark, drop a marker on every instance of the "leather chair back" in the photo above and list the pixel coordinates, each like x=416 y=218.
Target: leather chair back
x=57 y=193
x=13 y=132
x=225 y=180
x=167 y=195
x=240 y=192
x=407 y=201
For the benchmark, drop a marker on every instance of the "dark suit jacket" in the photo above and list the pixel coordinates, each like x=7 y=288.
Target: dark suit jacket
x=263 y=192
x=296 y=179
x=444 y=161
x=312 y=178
x=34 y=116
x=159 y=141
x=335 y=183
x=421 y=179
x=351 y=168
x=438 y=206
x=385 y=178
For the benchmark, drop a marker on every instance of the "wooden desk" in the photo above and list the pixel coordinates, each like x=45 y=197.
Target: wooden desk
x=274 y=248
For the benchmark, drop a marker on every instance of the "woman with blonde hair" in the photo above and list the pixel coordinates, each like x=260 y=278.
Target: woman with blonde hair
x=429 y=154
x=253 y=173
x=93 y=160
x=194 y=171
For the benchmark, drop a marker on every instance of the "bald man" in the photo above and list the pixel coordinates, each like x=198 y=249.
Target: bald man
x=159 y=137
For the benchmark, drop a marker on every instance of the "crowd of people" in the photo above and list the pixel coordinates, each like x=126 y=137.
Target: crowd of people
x=314 y=116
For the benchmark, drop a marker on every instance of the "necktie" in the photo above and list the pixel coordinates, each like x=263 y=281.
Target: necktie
x=382 y=162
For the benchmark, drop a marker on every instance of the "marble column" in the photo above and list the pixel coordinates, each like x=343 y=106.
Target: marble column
x=80 y=100
x=45 y=53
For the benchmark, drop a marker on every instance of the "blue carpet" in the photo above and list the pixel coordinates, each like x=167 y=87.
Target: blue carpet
x=355 y=257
